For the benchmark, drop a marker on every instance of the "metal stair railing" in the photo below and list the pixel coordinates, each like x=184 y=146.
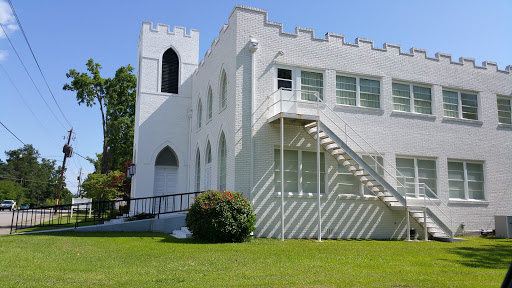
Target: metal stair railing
x=429 y=202
x=374 y=154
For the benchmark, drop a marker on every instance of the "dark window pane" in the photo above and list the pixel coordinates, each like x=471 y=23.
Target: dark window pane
x=170 y=72
x=284 y=74
x=284 y=84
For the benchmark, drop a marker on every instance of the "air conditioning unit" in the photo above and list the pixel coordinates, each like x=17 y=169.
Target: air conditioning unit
x=503 y=226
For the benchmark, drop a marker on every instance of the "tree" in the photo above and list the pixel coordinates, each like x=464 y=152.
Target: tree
x=116 y=100
x=101 y=187
x=38 y=178
x=12 y=191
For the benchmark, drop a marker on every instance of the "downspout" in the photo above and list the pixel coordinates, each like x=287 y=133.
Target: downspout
x=253 y=46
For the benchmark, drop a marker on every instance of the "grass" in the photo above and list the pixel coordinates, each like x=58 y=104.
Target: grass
x=158 y=260
x=68 y=222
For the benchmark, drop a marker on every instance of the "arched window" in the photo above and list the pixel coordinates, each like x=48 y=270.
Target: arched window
x=208 y=167
x=223 y=90
x=166 y=157
x=166 y=173
x=198 y=171
x=170 y=72
x=199 y=114
x=210 y=102
x=222 y=162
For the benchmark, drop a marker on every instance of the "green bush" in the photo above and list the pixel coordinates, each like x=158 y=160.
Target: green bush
x=221 y=217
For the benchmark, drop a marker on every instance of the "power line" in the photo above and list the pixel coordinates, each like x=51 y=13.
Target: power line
x=12 y=133
x=26 y=104
x=26 y=70
x=35 y=59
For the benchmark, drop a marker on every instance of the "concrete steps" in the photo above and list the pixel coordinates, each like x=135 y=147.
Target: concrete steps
x=182 y=233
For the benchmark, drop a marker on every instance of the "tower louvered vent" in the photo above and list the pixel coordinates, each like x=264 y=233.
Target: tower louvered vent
x=170 y=72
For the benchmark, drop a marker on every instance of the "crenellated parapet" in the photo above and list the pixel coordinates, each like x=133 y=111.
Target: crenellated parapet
x=365 y=43
x=164 y=28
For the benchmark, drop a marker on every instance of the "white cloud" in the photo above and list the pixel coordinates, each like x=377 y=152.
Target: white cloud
x=7 y=19
x=3 y=55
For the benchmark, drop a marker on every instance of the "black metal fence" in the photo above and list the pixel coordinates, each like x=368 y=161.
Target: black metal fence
x=98 y=212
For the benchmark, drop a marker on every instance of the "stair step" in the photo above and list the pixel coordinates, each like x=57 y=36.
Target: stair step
x=326 y=141
x=182 y=233
x=322 y=135
x=435 y=230
x=383 y=194
x=395 y=206
x=388 y=199
x=439 y=235
x=331 y=146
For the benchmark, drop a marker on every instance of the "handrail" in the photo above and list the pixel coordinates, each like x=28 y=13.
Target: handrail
x=430 y=200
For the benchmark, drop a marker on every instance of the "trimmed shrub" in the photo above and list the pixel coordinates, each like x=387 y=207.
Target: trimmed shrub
x=221 y=217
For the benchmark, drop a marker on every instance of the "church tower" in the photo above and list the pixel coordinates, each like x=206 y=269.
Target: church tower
x=166 y=61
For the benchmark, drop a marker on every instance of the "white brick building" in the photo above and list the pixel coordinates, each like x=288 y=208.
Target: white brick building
x=428 y=120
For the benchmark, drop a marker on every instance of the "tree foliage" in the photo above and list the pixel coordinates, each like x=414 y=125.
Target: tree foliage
x=101 y=187
x=33 y=179
x=116 y=100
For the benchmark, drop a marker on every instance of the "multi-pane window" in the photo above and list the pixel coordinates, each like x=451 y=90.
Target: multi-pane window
x=346 y=90
x=412 y=98
x=311 y=82
x=199 y=114
x=350 y=184
x=210 y=103
x=460 y=104
x=357 y=91
x=223 y=90
x=300 y=173
x=208 y=166
x=198 y=171
x=466 y=180
x=504 y=110
x=416 y=171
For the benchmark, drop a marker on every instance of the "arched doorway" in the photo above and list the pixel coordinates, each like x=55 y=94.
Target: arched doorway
x=166 y=173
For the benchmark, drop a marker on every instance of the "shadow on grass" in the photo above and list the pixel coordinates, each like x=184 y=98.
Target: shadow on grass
x=490 y=256
x=166 y=238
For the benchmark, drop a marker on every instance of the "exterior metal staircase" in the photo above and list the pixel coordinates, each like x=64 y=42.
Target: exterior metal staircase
x=376 y=183
x=288 y=104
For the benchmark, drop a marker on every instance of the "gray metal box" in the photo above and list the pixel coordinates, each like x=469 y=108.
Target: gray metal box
x=503 y=226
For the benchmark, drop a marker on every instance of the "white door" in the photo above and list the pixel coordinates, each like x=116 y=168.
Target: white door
x=165 y=180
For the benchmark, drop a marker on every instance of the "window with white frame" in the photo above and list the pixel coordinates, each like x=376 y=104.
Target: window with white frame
x=300 y=173
x=223 y=90
x=199 y=114
x=198 y=170
x=357 y=91
x=210 y=102
x=415 y=171
x=311 y=83
x=504 y=110
x=284 y=79
x=459 y=104
x=412 y=98
x=308 y=82
x=350 y=184
x=466 y=180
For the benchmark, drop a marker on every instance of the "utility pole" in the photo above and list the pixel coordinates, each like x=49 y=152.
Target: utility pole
x=67 y=153
x=79 y=179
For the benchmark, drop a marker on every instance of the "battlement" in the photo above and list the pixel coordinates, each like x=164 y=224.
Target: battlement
x=164 y=28
x=362 y=43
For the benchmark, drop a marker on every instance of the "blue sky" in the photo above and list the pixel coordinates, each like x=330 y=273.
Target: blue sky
x=64 y=34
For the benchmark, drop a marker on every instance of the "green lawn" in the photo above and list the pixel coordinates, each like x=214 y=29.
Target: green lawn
x=61 y=222
x=158 y=260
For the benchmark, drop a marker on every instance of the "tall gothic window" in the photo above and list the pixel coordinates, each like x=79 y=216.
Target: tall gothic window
x=223 y=90
x=170 y=72
x=198 y=171
x=222 y=162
